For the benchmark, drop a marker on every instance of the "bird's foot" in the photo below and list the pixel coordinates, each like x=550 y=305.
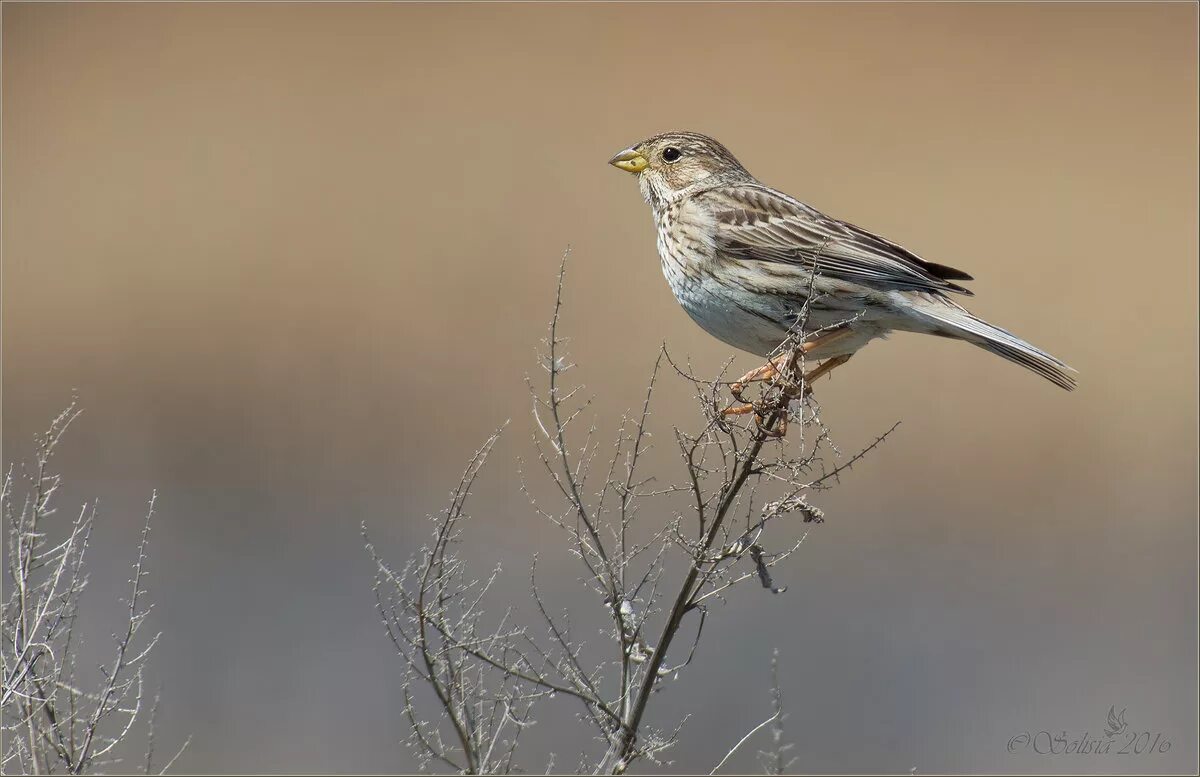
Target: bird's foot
x=739 y=409
x=773 y=373
x=777 y=432
x=766 y=372
x=770 y=372
x=760 y=418
x=792 y=390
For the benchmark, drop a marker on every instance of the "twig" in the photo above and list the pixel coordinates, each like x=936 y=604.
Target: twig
x=742 y=741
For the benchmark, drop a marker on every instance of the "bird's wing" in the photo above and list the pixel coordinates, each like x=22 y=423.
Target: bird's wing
x=755 y=222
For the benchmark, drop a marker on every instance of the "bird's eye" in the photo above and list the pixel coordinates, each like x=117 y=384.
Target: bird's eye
x=671 y=154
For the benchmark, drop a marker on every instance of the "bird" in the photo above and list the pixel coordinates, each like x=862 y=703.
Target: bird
x=757 y=268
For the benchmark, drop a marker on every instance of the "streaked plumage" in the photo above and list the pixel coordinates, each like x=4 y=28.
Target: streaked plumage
x=743 y=258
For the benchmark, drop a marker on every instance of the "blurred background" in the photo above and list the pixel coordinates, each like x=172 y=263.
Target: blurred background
x=297 y=260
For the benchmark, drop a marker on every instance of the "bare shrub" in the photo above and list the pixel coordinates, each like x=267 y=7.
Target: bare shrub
x=50 y=723
x=488 y=674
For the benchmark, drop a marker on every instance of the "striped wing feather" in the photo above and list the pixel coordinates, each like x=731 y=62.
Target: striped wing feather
x=759 y=223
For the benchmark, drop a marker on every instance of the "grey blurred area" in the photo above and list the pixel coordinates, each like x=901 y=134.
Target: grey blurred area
x=297 y=261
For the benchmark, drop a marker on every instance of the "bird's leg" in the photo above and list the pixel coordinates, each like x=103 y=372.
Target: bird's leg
x=780 y=429
x=782 y=366
x=794 y=392
x=824 y=368
x=791 y=387
x=770 y=371
x=766 y=372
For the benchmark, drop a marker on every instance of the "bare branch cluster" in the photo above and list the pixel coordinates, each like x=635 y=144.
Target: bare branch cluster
x=739 y=479
x=50 y=723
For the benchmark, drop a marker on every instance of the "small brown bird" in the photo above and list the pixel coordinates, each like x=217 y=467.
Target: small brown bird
x=744 y=259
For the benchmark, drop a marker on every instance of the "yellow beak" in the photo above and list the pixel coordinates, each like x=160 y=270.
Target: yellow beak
x=630 y=161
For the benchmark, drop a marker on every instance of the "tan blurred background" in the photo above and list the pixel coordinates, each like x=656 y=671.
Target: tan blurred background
x=297 y=260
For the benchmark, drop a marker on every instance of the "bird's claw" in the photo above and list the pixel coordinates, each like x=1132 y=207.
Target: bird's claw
x=760 y=417
x=777 y=432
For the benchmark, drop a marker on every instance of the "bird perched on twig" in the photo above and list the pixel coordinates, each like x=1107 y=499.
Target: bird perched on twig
x=752 y=265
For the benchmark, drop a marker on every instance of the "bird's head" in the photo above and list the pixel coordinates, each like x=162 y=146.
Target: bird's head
x=674 y=164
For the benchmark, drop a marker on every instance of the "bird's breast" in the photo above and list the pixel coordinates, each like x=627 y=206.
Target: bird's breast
x=710 y=294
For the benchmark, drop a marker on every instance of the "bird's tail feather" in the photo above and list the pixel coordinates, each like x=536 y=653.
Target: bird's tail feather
x=963 y=324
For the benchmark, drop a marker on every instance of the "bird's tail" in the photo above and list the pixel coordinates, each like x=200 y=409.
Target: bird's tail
x=958 y=322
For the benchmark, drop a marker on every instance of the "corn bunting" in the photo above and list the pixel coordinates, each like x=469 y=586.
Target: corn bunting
x=753 y=266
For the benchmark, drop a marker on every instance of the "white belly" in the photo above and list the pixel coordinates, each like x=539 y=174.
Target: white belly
x=719 y=313
x=758 y=323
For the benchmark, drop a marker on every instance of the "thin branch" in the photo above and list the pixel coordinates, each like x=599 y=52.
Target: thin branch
x=742 y=741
